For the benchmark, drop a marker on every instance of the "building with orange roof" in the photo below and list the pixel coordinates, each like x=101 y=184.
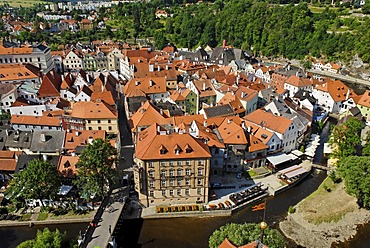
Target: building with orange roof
x=294 y=83
x=86 y=24
x=76 y=140
x=331 y=67
x=127 y=68
x=170 y=168
x=32 y=123
x=235 y=103
x=67 y=166
x=19 y=73
x=248 y=98
x=38 y=55
x=92 y=116
x=331 y=94
x=8 y=161
x=73 y=60
x=284 y=128
x=161 y=13
x=50 y=86
x=8 y=95
x=205 y=91
x=364 y=103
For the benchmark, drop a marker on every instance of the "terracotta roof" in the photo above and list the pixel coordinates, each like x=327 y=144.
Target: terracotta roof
x=365 y=99
x=232 y=133
x=76 y=138
x=233 y=100
x=154 y=145
x=67 y=82
x=146 y=115
x=50 y=85
x=8 y=160
x=298 y=81
x=266 y=119
x=209 y=135
x=148 y=85
x=245 y=93
x=205 y=87
x=106 y=96
x=255 y=144
x=67 y=166
x=337 y=90
x=15 y=50
x=36 y=120
x=93 y=110
x=16 y=72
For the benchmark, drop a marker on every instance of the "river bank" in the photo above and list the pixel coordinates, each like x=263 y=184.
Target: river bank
x=325 y=217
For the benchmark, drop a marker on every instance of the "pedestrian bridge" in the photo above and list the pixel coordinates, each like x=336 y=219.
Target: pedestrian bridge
x=321 y=167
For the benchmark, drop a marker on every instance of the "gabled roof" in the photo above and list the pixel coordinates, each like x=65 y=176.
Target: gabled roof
x=67 y=166
x=36 y=120
x=246 y=94
x=155 y=144
x=148 y=85
x=205 y=87
x=75 y=138
x=337 y=90
x=50 y=85
x=268 y=120
x=232 y=133
x=47 y=141
x=147 y=115
x=8 y=160
x=206 y=133
x=17 y=72
x=365 y=99
x=298 y=81
x=93 y=110
x=233 y=100
x=219 y=111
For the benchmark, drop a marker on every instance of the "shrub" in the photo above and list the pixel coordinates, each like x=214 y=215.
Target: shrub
x=291 y=209
x=333 y=176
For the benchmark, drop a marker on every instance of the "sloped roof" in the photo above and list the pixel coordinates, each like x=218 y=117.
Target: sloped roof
x=75 y=138
x=50 y=85
x=298 y=81
x=17 y=72
x=365 y=99
x=36 y=120
x=232 y=133
x=337 y=90
x=93 y=110
x=147 y=115
x=8 y=160
x=67 y=166
x=266 y=119
x=148 y=85
x=220 y=110
x=150 y=142
x=47 y=141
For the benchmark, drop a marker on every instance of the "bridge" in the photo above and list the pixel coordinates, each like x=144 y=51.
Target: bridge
x=99 y=233
x=321 y=167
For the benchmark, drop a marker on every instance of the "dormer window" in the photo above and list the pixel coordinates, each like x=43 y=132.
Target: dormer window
x=67 y=164
x=163 y=150
x=188 y=149
x=177 y=149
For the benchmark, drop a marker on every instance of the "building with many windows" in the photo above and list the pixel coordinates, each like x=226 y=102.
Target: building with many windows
x=171 y=168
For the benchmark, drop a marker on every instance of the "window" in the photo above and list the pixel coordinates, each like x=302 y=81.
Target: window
x=179 y=172
x=172 y=182
x=187 y=192
x=199 y=181
x=187 y=162
x=187 y=182
x=163 y=183
x=90 y=128
x=200 y=171
x=98 y=121
x=163 y=173
x=171 y=163
x=151 y=173
x=179 y=162
x=151 y=184
x=200 y=162
x=109 y=121
x=179 y=182
x=179 y=192
x=109 y=128
x=172 y=172
x=151 y=164
x=163 y=192
x=171 y=192
x=151 y=193
x=187 y=172
x=163 y=163
x=199 y=191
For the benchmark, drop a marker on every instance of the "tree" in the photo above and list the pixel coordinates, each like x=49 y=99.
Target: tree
x=44 y=239
x=39 y=180
x=95 y=168
x=345 y=138
x=355 y=171
x=242 y=234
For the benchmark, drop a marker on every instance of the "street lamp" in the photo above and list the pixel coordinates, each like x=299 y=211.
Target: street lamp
x=263 y=226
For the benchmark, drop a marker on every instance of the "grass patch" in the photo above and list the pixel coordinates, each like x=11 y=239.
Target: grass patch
x=328 y=203
x=43 y=216
x=23 y=3
x=72 y=215
x=26 y=217
x=252 y=173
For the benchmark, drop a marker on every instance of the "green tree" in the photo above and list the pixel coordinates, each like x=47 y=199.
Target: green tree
x=242 y=234
x=45 y=239
x=39 y=180
x=345 y=138
x=95 y=168
x=356 y=173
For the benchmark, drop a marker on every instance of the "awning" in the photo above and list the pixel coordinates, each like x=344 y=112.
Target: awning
x=295 y=173
x=289 y=169
x=327 y=148
x=297 y=153
x=282 y=158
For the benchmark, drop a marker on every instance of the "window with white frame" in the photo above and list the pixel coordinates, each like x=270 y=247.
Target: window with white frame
x=187 y=181
x=171 y=163
x=171 y=192
x=179 y=182
x=151 y=193
x=151 y=184
x=163 y=192
x=179 y=192
x=187 y=172
x=172 y=182
x=163 y=163
x=200 y=171
x=179 y=172
x=151 y=173
x=163 y=183
x=151 y=164
x=200 y=181
x=163 y=173
x=187 y=192
x=199 y=191
x=187 y=162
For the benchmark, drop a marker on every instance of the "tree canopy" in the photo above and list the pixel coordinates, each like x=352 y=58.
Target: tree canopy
x=356 y=173
x=39 y=180
x=95 y=168
x=45 y=239
x=242 y=234
x=345 y=138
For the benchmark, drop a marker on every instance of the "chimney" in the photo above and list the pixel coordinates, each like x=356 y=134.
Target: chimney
x=159 y=68
x=90 y=140
x=249 y=129
x=205 y=123
x=204 y=86
x=166 y=67
x=77 y=133
x=151 y=83
x=158 y=128
x=151 y=68
x=243 y=94
x=229 y=121
x=42 y=137
x=137 y=83
x=347 y=95
x=243 y=125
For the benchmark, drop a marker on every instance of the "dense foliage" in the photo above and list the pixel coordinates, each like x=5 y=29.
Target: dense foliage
x=345 y=138
x=39 y=180
x=356 y=173
x=242 y=234
x=95 y=168
x=45 y=239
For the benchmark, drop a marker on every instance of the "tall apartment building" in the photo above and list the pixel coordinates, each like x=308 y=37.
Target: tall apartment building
x=39 y=56
x=171 y=169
